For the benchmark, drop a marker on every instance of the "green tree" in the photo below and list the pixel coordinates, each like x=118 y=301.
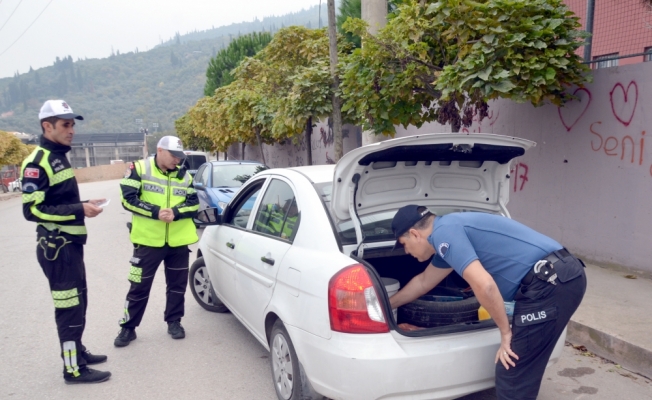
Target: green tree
x=190 y=138
x=247 y=107
x=275 y=95
x=12 y=150
x=219 y=69
x=352 y=9
x=443 y=60
x=236 y=113
x=297 y=81
x=174 y=60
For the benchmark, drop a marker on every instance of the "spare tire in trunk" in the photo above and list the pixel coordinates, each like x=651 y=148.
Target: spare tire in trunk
x=439 y=307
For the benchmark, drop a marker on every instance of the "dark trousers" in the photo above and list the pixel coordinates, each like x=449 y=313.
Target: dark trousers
x=63 y=265
x=144 y=264
x=541 y=313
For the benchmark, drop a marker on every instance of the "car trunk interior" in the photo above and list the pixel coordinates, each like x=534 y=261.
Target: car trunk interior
x=396 y=264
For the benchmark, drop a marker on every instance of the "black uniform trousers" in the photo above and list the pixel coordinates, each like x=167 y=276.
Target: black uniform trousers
x=144 y=264
x=541 y=313
x=66 y=274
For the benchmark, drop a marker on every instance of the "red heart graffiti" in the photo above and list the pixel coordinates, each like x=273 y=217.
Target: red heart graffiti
x=625 y=93
x=493 y=120
x=586 y=107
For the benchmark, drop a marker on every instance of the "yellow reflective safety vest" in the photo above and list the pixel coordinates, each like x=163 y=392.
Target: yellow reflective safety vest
x=165 y=191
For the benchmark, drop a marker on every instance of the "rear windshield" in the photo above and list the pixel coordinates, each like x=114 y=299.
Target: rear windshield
x=193 y=162
x=375 y=227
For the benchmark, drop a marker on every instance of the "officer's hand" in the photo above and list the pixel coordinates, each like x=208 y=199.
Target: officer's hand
x=169 y=217
x=91 y=210
x=97 y=202
x=163 y=214
x=166 y=215
x=505 y=351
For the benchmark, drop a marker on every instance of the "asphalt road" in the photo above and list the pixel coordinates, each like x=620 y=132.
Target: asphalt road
x=218 y=359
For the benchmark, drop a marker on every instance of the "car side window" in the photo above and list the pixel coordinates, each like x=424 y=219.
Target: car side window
x=278 y=214
x=203 y=174
x=241 y=210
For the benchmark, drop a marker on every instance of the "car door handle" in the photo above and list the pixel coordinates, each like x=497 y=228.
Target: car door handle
x=266 y=260
x=230 y=245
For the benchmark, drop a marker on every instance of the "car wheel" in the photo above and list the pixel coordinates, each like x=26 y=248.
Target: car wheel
x=289 y=378
x=202 y=289
x=440 y=307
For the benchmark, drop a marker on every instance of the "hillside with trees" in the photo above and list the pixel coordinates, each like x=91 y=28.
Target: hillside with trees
x=128 y=91
x=429 y=63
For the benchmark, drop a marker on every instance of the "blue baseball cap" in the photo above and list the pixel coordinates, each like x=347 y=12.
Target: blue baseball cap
x=406 y=217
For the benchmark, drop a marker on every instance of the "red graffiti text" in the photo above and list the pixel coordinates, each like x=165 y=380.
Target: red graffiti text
x=613 y=146
x=519 y=172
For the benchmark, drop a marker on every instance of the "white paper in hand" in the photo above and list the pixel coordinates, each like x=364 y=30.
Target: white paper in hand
x=105 y=203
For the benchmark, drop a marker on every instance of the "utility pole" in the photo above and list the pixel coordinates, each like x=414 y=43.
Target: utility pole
x=590 y=11
x=374 y=12
x=337 y=111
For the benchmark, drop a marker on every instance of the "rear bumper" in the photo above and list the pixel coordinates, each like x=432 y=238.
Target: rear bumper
x=392 y=366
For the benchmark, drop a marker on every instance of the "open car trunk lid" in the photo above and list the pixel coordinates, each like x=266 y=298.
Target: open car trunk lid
x=469 y=171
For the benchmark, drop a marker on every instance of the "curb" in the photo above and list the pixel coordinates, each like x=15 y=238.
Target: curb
x=630 y=356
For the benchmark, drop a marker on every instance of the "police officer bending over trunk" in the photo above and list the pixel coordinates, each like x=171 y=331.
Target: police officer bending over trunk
x=163 y=202
x=502 y=260
x=51 y=199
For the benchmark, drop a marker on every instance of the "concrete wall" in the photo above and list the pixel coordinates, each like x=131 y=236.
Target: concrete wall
x=100 y=173
x=587 y=183
x=292 y=155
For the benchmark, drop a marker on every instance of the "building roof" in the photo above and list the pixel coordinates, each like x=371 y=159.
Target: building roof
x=83 y=138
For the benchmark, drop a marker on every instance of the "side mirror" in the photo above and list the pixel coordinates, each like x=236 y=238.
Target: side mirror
x=207 y=217
x=199 y=186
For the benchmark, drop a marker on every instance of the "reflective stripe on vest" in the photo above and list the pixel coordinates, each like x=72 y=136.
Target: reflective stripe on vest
x=54 y=178
x=165 y=191
x=69 y=229
x=39 y=196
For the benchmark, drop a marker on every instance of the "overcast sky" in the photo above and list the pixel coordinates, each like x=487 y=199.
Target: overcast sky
x=90 y=28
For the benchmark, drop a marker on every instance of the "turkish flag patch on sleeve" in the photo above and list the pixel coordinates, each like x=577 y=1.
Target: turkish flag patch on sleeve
x=31 y=173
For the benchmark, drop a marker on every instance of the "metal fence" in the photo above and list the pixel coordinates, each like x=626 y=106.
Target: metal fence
x=621 y=31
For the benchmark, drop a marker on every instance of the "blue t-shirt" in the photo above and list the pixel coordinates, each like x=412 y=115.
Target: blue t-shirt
x=506 y=249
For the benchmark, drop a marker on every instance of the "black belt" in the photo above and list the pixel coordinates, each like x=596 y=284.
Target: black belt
x=557 y=255
x=553 y=257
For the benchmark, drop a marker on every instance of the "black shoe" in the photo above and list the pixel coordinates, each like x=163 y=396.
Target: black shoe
x=125 y=336
x=176 y=330
x=93 y=358
x=87 y=375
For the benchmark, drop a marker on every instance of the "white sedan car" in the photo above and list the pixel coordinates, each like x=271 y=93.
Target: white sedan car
x=301 y=256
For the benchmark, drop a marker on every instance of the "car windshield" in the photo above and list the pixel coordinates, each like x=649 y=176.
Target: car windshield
x=193 y=162
x=377 y=227
x=233 y=175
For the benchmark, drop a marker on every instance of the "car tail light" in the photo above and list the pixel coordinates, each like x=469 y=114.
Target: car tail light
x=353 y=304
